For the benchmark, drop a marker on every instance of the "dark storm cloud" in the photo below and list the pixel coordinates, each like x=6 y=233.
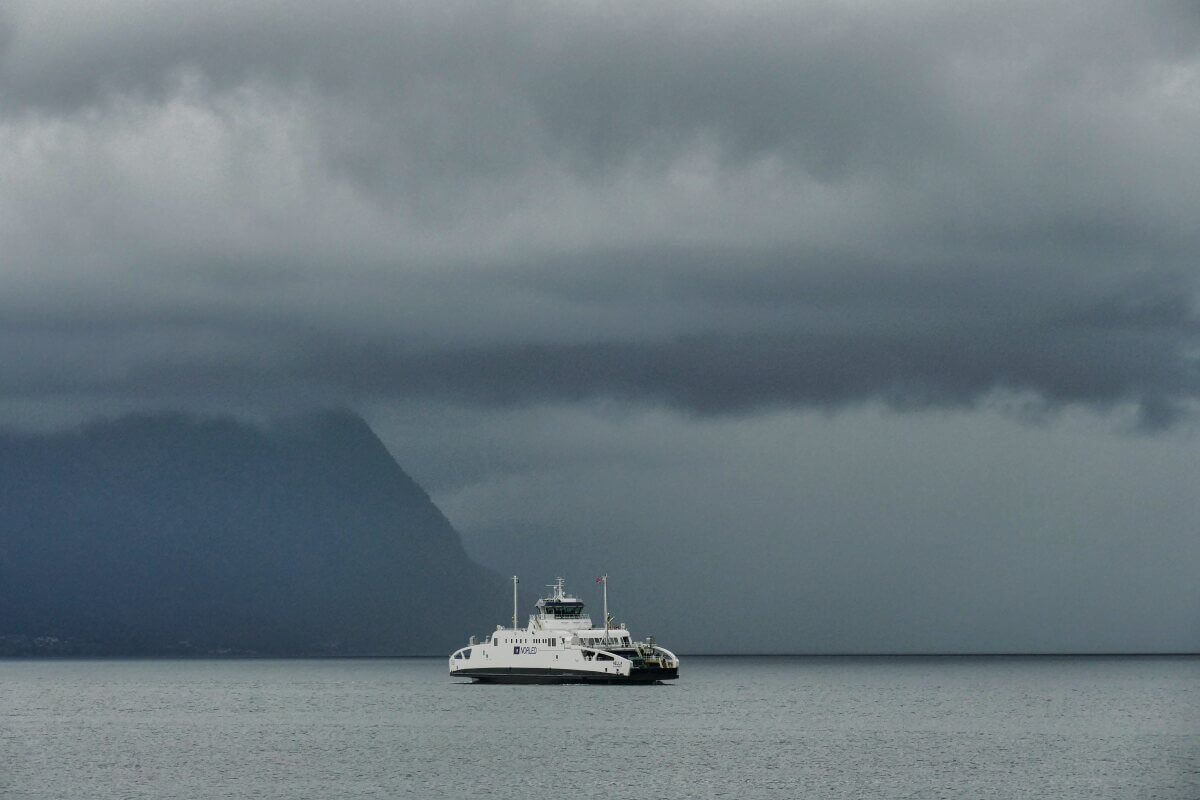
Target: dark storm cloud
x=724 y=373
x=1125 y=349
x=712 y=208
x=1103 y=357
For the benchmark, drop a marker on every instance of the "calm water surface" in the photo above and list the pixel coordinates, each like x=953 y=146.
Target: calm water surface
x=732 y=727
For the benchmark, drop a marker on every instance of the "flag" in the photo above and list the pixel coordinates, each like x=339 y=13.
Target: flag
x=601 y=579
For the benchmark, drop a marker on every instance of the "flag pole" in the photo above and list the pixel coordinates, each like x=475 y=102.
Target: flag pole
x=514 y=603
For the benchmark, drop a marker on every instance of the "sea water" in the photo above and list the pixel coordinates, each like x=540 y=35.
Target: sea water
x=744 y=727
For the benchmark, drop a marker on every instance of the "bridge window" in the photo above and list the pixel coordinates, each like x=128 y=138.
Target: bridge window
x=564 y=610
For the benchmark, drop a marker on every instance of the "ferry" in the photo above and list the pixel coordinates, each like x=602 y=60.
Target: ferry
x=561 y=645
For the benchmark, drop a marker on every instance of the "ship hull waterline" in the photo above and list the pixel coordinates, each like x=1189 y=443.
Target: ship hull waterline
x=540 y=675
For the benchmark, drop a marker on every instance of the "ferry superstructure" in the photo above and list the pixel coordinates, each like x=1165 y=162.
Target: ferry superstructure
x=561 y=645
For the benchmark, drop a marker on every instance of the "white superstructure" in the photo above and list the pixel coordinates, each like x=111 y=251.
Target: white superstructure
x=561 y=645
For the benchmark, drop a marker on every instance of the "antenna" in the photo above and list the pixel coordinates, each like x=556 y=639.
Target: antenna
x=515 y=582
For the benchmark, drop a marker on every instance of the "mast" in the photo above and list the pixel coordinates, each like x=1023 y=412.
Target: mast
x=515 y=581
x=604 y=580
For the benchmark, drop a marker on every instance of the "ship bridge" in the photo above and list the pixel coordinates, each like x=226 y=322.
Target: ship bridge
x=560 y=611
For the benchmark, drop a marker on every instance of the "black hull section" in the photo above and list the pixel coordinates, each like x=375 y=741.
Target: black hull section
x=534 y=675
x=653 y=674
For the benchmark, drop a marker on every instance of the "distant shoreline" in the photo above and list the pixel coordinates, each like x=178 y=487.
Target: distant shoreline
x=814 y=656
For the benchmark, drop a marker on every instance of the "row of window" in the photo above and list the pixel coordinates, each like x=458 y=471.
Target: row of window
x=595 y=640
x=564 y=610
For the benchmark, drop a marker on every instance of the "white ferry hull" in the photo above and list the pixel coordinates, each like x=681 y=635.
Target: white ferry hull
x=543 y=675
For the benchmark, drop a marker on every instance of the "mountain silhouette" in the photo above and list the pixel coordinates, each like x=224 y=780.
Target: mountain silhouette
x=167 y=534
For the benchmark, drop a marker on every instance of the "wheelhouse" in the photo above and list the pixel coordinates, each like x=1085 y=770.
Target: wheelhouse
x=563 y=609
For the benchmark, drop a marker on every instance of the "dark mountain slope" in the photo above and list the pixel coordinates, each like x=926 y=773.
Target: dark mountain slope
x=166 y=534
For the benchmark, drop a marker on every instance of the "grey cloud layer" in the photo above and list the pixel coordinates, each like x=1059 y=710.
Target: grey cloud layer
x=717 y=209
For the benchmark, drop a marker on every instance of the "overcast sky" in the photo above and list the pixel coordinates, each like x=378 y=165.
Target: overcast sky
x=872 y=323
